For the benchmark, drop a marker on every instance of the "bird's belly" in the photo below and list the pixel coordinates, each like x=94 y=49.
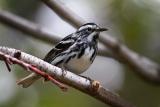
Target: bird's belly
x=80 y=65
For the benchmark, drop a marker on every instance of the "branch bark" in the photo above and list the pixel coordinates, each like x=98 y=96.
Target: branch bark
x=9 y=60
x=90 y=87
x=144 y=66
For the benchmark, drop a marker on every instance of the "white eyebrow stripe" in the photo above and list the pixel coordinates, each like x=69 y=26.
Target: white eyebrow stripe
x=87 y=26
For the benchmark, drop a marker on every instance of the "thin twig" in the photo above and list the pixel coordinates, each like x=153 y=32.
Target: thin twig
x=7 y=59
x=144 y=66
x=90 y=87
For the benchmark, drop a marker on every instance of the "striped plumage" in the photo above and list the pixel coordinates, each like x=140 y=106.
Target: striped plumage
x=75 y=52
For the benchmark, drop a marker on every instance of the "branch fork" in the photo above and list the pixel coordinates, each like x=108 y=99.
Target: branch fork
x=16 y=60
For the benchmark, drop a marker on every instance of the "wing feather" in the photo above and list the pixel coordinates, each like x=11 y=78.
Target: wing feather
x=63 y=45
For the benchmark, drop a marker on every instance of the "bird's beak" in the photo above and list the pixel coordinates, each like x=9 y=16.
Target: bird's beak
x=101 y=29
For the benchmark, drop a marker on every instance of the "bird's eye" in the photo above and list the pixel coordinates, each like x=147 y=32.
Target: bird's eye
x=89 y=29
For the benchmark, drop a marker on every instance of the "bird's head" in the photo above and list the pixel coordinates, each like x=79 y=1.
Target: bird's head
x=91 y=31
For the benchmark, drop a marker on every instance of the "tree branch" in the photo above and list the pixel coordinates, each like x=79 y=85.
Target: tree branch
x=27 y=27
x=9 y=60
x=90 y=87
x=147 y=68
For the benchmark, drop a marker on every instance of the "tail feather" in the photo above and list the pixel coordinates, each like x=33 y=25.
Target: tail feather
x=28 y=80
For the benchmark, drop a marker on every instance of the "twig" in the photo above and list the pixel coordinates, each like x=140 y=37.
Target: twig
x=90 y=87
x=7 y=59
x=65 y=13
x=34 y=30
x=147 y=68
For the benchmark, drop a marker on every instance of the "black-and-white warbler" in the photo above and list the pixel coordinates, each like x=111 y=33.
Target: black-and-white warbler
x=75 y=52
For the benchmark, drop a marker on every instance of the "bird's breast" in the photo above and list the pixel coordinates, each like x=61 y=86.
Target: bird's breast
x=79 y=65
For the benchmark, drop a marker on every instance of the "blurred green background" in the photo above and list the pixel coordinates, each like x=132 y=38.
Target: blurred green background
x=135 y=22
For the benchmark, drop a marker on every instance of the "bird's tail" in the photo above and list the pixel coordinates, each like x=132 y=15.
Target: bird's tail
x=28 y=80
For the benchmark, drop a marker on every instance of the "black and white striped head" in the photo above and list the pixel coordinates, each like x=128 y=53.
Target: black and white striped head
x=91 y=31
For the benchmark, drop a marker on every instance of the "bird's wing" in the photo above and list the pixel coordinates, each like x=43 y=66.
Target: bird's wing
x=63 y=45
x=50 y=55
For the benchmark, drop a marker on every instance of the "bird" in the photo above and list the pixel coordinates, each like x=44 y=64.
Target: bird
x=75 y=52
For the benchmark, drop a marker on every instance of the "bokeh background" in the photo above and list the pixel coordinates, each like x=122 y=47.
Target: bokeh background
x=135 y=22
